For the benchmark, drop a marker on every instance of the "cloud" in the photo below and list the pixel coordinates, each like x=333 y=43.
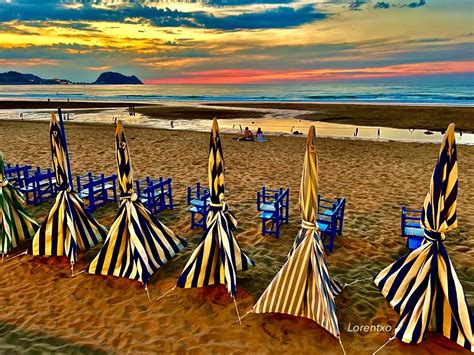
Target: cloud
x=30 y=62
x=382 y=5
x=355 y=5
x=248 y=76
x=278 y=17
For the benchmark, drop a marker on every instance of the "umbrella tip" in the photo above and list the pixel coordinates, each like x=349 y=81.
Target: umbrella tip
x=215 y=126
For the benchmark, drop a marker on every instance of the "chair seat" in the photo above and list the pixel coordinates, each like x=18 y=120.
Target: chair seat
x=267 y=207
x=323 y=227
x=324 y=218
x=414 y=242
x=96 y=189
x=266 y=215
x=196 y=209
x=198 y=202
x=414 y=232
x=27 y=188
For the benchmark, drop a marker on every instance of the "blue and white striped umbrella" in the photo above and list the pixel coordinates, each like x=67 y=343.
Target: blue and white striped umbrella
x=16 y=224
x=304 y=287
x=422 y=286
x=68 y=227
x=218 y=256
x=138 y=244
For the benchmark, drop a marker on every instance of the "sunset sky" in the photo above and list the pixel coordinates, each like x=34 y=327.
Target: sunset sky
x=239 y=41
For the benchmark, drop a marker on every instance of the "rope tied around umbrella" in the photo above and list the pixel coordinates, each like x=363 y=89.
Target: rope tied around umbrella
x=64 y=187
x=132 y=197
x=432 y=236
x=309 y=225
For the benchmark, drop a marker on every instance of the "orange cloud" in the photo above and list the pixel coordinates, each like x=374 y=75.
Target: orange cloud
x=238 y=76
x=30 y=62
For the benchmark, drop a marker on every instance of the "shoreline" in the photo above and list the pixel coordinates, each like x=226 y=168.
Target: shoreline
x=433 y=118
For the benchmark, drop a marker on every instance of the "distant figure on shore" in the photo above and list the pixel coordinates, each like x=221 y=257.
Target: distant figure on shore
x=115 y=120
x=68 y=99
x=49 y=99
x=356 y=132
x=21 y=116
x=248 y=136
x=259 y=135
x=378 y=133
x=172 y=124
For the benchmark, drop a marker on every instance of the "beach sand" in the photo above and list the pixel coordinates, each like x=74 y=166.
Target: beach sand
x=45 y=310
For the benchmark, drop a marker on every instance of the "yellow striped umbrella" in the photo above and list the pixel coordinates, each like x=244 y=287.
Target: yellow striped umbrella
x=218 y=256
x=303 y=287
x=422 y=286
x=137 y=243
x=15 y=223
x=68 y=227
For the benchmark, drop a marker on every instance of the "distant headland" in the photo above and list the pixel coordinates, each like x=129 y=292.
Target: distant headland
x=106 y=78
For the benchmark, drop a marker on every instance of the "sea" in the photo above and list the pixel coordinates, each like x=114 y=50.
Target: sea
x=280 y=122
x=425 y=94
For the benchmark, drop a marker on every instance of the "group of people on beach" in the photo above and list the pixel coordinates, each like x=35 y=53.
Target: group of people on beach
x=248 y=136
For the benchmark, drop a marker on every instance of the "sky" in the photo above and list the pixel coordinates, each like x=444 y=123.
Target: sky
x=240 y=41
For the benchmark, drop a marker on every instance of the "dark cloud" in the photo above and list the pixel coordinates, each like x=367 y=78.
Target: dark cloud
x=382 y=5
x=355 y=5
x=417 y=4
x=279 y=17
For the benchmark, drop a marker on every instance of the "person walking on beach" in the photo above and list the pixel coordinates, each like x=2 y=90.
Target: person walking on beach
x=378 y=134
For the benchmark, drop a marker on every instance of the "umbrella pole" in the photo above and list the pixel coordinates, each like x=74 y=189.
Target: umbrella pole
x=241 y=318
x=15 y=256
x=388 y=341
x=237 y=310
x=342 y=346
x=164 y=294
x=72 y=271
x=147 y=293
x=63 y=133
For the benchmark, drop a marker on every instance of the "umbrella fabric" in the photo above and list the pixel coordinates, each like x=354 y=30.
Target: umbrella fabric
x=15 y=223
x=68 y=227
x=137 y=243
x=422 y=286
x=303 y=287
x=218 y=256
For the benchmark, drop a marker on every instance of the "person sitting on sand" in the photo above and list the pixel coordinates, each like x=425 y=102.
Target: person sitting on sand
x=260 y=135
x=248 y=136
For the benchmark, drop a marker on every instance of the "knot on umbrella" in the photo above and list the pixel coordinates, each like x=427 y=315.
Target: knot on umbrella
x=216 y=207
x=64 y=187
x=309 y=225
x=224 y=208
x=133 y=197
x=433 y=236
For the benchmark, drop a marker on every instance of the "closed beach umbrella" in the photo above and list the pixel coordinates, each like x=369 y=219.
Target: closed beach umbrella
x=218 y=256
x=68 y=227
x=303 y=287
x=15 y=223
x=137 y=243
x=422 y=286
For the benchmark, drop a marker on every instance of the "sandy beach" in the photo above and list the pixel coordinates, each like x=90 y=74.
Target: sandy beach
x=45 y=310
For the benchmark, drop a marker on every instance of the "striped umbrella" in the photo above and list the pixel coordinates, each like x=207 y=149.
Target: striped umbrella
x=15 y=223
x=423 y=286
x=68 y=227
x=137 y=243
x=303 y=286
x=218 y=256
